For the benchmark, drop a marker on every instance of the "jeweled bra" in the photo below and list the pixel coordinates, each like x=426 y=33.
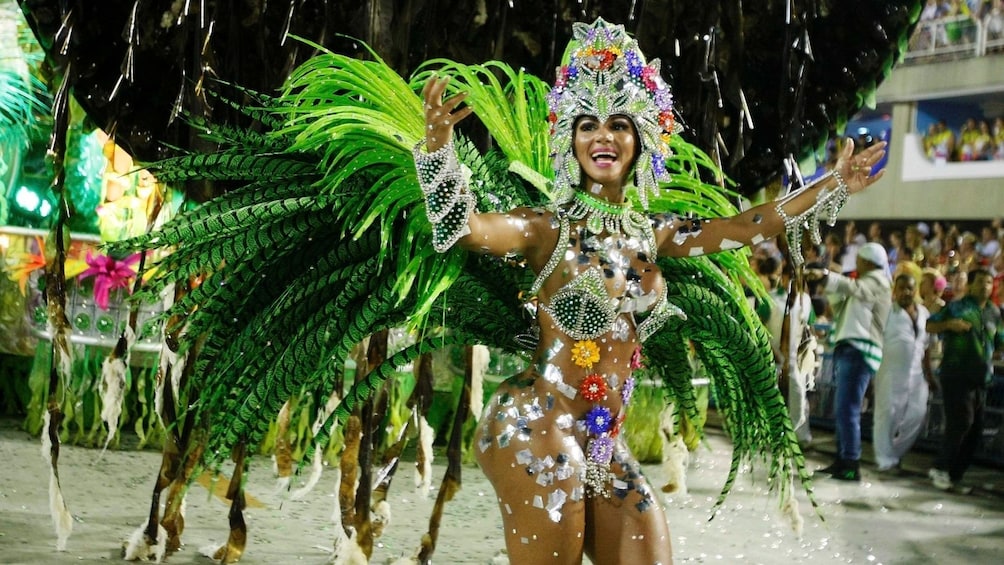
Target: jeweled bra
x=583 y=308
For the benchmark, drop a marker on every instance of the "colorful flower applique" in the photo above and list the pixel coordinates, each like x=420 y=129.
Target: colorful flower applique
x=636 y=360
x=593 y=388
x=585 y=353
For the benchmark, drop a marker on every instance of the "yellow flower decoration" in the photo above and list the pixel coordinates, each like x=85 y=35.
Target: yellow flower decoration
x=585 y=353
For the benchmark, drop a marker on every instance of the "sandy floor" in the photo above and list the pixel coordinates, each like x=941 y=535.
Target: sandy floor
x=880 y=520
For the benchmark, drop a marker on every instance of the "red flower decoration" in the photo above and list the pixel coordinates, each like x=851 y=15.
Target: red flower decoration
x=606 y=60
x=615 y=430
x=593 y=388
x=667 y=121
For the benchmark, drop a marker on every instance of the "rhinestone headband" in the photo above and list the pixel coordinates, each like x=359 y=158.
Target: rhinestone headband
x=605 y=74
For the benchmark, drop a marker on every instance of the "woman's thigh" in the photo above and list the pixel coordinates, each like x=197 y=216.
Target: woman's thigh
x=528 y=452
x=628 y=526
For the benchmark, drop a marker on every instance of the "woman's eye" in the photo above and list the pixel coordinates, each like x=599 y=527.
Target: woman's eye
x=587 y=126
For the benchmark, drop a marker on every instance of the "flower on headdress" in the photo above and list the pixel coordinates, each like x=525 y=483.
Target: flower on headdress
x=634 y=63
x=593 y=388
x=108 y=274
x=636 y=358
x=598 y=420
x=666 y=120
x=562 y=78
x=606 y=75
x=649 y=76
x=601 y=450
x=585 y=353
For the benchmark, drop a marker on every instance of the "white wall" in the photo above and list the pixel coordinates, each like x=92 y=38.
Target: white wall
x=914 y=187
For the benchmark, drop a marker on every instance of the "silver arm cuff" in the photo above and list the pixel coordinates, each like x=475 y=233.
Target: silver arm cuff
x=828 y=204
x=448 y=203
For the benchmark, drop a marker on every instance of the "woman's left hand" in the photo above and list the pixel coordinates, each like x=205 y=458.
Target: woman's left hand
x=857 y=169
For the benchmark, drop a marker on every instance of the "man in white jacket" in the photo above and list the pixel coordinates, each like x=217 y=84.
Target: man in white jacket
x=901 y=384
x=860 y=308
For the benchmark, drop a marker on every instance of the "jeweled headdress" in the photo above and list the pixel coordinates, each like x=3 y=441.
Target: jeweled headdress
x=604 y=74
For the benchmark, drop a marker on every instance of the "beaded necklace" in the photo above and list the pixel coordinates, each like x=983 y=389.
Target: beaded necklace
x=614 y=218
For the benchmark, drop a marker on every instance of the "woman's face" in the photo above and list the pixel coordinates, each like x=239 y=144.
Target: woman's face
x=605 y=150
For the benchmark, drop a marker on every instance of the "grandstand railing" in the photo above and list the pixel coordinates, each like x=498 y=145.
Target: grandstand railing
x=953 y=37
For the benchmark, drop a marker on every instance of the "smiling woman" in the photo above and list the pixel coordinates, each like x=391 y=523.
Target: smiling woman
x=609 y=150
x=550 y=440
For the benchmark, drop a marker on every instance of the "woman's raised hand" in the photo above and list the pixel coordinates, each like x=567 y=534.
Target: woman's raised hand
x=441 y=115
x=857 y=169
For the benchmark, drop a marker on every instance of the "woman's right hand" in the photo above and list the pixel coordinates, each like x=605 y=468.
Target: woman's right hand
x=440 y=115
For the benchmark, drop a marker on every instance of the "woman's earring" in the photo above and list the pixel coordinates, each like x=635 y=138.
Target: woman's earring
x=574 y=173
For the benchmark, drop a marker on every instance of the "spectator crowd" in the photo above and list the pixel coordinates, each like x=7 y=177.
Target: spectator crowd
x=977 y=140
x=938 y=330
x=954 y=22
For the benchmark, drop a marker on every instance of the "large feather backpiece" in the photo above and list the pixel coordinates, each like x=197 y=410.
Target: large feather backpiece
x=325 y=241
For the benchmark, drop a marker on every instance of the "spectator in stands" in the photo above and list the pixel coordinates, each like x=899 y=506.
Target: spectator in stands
x=853 y=240
x=934 y=244
x=915 y=245
x=933 y=10
x=833 y=250
x=997 y=270
x=968 y=257
x=902 y=380
x=994 y=21
x=978 y=8
x=795 y=373
x=948 y=261
x=861 y=307
x=988 y=246
x=875 y=233
x=959 y=25
x=897 y=250
x=967 y=140
x=922 y=37
x=932 y=287
x=941 y=142
x=768 y=270
x=983 y=143
x=998 y=131
x=971 y=329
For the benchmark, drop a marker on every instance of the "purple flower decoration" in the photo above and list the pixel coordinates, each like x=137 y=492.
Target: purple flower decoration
x=664 y=99
x=633 y=63
x=627 y=390
x=598 y=420
x=601 y=450
x=658 y=164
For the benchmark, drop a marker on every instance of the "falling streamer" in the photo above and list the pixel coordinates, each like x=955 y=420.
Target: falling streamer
x=61 y=517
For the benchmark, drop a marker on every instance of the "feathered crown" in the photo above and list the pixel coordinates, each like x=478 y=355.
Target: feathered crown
x=605 y=74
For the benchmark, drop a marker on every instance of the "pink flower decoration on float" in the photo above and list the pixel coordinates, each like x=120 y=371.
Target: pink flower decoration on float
x=108 y=274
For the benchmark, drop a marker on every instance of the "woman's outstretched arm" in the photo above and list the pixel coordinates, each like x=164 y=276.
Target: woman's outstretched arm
x=852 y=173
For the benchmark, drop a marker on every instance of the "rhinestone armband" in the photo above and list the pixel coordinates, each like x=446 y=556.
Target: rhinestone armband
x=448 y=204
x=828 y=202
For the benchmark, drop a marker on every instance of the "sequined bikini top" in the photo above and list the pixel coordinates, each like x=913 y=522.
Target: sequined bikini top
x=584 y=309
